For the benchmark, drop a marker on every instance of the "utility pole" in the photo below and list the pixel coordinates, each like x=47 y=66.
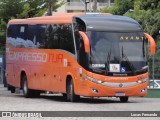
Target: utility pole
x=109 y=3
x=86 y=2
x=95 y=6
x=49 y=12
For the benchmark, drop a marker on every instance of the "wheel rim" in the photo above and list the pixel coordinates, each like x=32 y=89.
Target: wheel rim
x=70 y=91
x=25 y=87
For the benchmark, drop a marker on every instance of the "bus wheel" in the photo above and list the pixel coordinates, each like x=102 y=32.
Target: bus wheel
x=26 y=91
x=36 y=93
x=8 y=87
x=70 y=92
x=64 y=95
x=124 y=99
x=11 y=88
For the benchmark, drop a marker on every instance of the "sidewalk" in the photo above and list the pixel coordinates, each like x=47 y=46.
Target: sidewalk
x=3 y=90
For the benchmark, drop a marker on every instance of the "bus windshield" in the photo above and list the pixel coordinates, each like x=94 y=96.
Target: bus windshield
x=117 y=53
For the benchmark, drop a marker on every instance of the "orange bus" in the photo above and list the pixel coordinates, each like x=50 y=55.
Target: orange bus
x=77 y=54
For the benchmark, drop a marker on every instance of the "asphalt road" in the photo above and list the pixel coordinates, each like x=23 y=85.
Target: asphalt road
x=16 y=102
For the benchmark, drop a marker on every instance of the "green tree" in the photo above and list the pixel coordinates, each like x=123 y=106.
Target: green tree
x=148 y=15
x=12 y=9
x=2 y=35
x=34 y=8
x=120 y=7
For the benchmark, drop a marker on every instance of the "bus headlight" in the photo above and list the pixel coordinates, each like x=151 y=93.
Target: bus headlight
x=142 y=80
x=94 y=80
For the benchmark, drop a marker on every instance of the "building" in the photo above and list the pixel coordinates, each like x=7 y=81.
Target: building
x=79 y=5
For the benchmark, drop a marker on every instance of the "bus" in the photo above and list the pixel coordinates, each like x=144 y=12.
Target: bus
x=78 y=54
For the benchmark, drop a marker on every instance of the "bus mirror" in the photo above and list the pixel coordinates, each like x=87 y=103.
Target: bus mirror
x=86 y=41
x=152 y=43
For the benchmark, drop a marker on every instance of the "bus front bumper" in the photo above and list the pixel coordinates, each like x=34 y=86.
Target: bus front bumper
x=100 y=90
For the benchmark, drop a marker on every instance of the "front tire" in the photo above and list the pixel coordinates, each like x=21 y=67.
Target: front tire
x=124 y=99
x=70 y=92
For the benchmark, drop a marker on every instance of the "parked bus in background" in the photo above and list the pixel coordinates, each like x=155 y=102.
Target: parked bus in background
x=77 y=54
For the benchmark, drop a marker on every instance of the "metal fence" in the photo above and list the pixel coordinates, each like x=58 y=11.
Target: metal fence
x=154 y=69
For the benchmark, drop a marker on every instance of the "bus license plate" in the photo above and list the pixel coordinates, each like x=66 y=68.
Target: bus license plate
x=120 y=94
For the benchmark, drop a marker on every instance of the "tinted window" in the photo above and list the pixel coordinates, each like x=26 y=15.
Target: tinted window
x=42 y=36
x=79 y=25
x=66 y=39
x=51 y=37
x=18 y=36
x=36 y=35
x=22 y=37
x=13 y=31
x=58 y=37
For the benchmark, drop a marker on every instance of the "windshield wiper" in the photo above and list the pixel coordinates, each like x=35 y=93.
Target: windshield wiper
x=108 y=61
x=127 y=60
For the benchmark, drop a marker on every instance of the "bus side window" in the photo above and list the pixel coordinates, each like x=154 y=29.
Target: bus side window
x=50 y=37
x=66 y=39
x=22 y=36
x=12 y=35
x=81 y=55
x=33 y=36
x=78 y=39
x=40 y=35
x=78 y=26
x=58 y=36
